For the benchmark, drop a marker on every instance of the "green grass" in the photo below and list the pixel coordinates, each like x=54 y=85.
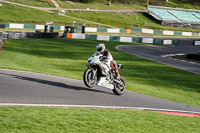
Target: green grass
x=37 y=3
x=73 y=120
x=124 y=20
x=180 y=4
x=101 y=5
x=136 y=4
x=17 y=14
x=68 y=58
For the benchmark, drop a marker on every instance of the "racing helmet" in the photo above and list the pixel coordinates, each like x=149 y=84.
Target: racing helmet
x=100 y=47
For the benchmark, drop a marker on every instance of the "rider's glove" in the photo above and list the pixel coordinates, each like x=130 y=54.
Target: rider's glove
x=102 y=58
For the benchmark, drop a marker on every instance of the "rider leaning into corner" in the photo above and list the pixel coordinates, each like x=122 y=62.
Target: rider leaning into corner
x=107 y=58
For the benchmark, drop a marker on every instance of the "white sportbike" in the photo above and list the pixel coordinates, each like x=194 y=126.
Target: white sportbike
x=100 y=74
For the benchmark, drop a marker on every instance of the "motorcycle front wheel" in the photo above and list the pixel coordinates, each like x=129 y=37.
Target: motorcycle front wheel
x=89 y=78
x=118 y=89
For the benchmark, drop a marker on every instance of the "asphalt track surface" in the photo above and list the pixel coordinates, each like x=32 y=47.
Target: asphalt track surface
x=156 y=53
x=18 y=87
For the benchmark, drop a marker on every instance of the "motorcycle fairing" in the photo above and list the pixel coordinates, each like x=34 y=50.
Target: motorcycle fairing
x=105 y=83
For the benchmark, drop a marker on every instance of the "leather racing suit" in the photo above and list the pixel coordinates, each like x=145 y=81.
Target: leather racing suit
x=108 y=59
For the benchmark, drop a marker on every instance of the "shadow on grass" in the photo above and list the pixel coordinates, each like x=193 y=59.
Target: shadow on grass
x=56 y=84
x=56 y=48
x=62 y=48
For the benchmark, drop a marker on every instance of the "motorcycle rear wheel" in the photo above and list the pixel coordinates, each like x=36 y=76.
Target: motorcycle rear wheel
x=120 y=90
x=89 y=78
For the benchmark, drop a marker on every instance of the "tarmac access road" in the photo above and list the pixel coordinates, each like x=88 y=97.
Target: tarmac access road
x=157 y=53
x=19 y=87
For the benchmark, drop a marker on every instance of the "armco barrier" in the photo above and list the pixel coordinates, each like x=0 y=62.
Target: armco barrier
x=31 y=35
x=1 y=40
x=1 y=44
x=108 y=30
x=142 y=30
x=24 y=35
x=103 y=38
x=1 y=35
x=13 y=35
x=2 y=26
x=87 y=29
x=29 y=26
x=196 y=42
x=156 y=41
x=165 y=32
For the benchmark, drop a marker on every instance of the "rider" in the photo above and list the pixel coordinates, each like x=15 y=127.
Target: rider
x=107 y=57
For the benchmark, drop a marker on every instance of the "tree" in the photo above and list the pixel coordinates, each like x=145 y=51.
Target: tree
x=147 y=3
x=110 y=2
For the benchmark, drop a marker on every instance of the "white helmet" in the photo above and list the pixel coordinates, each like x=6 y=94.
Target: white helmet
x=100 y=47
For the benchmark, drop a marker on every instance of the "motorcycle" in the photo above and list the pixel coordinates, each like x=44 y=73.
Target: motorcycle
x=100 y=74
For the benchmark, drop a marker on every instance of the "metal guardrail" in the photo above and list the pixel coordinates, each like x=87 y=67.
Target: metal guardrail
x=1 y=40
x=24 y=35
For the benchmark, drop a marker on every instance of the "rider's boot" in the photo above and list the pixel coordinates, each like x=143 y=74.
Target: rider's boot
x=117 y=73
x=117 y=76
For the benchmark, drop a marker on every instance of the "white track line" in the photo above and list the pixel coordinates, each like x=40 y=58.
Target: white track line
x=179 y=54
x=93 y=106
x=155 y=60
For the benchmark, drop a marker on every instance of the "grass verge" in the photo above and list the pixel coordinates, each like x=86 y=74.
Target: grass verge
x=37 y=3
x=17 y=14
x=181 y=4
x=101 y=5
x=74 y=120
x=68 y=58
x=125 y=20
